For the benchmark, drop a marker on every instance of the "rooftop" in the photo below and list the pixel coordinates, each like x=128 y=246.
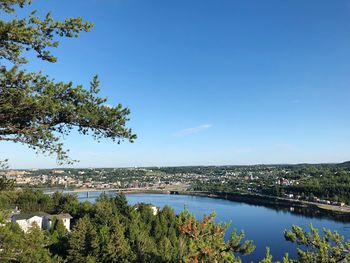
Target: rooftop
x=22 y=216
x=60 y=216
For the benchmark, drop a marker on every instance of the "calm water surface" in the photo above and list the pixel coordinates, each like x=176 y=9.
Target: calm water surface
x=263 y=225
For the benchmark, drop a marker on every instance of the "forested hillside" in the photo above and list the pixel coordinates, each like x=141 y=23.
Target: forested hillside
x=110 y=230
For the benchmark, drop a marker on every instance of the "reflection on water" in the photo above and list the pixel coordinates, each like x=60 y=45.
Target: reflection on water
x=263 y=224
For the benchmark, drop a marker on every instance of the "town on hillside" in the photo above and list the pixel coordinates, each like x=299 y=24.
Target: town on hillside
x=324 y=183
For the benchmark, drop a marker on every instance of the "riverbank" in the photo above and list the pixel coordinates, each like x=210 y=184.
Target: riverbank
x=284 y=204
x=277 y=203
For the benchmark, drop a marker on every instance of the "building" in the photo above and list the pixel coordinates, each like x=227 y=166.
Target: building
x=153 y=208
x=26 y=220
x=15 y=173
x=57 y=172
x=41 y=219
x=64 y=217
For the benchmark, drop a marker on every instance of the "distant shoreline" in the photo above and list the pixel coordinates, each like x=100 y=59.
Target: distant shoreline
x=291 y=205
x=253 y=199
x=257 y=198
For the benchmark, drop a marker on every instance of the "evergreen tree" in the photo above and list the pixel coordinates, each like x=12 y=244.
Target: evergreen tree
x=17 y=246
x=34 y=249
x=83 y=241
x=203 y=241
x=122 y=204
x=103 y=210
x=37 y=111
x=117 y=248
x=141 y=241
x=10 y=242
x=330 y=247
x=58 y=238
x=6 y=184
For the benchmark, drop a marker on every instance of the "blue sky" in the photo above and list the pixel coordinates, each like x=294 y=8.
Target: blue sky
x=209 y=82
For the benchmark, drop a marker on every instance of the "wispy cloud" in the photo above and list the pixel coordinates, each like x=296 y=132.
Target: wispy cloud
x=193 y=130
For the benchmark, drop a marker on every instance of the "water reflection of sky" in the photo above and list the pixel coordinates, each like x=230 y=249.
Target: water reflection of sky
x=263 y=225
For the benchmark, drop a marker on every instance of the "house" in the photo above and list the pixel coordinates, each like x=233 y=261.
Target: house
x=26 y=220
x=283 y=181
x=43 y=220
x=153 y=208
x=64 y=217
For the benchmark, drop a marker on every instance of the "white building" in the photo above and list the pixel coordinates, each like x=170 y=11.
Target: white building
x=153 y=208
x=64 y=217
x=41 y=219
x=27 y=220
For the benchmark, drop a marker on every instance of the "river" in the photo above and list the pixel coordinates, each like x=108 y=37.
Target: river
x=263 y=225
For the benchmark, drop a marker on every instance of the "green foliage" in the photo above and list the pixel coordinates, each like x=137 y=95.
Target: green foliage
x=6 y=184
x=34 y=201
x=36 y=110
x=116 y=247
x=329 y=182
x=122 y=204
x=83 y=241
x=58 y=238
x=4 y=215
x=8 y=5
x=268 y=257
x=16 y=246
x=330 y=185
x=67 y=203
x=29 y=200
x=35 y=242
x=112 y=231
x=3 y=164
x=330 y=247
x=34 y=34
x=203 y=241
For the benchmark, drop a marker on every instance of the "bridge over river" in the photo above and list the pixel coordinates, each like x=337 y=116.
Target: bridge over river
x=165 y=190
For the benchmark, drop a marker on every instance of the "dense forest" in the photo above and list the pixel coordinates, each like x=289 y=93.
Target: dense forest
x=110 y=230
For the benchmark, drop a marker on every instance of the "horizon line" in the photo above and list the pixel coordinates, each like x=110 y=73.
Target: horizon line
x=171 y=166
